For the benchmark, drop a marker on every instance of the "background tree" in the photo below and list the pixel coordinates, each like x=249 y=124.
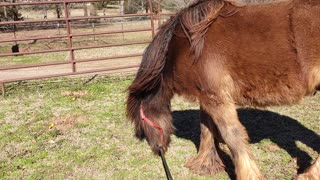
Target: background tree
x=10 y=13
x=58 y=10
x=103 y=4
x=175 y=4
x=131 y=6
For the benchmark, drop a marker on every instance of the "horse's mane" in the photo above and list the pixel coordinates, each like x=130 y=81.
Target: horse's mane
x=196 y=19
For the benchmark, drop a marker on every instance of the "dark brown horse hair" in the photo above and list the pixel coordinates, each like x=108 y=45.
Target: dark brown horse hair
x=148 y=84
x=195 y=21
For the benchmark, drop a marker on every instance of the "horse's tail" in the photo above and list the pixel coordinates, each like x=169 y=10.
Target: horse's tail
x=151 y=90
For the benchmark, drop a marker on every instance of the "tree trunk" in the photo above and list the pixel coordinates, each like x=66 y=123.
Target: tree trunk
x=45 y=12
x=85 y=9
x=130 y=7
x=93 y=10
x=58 y=11
x=121 y=7
x=5 y=12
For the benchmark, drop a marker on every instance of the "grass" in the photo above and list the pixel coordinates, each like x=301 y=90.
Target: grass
x=65 y=129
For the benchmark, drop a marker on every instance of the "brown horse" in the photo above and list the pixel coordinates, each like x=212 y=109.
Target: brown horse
x=224 y=55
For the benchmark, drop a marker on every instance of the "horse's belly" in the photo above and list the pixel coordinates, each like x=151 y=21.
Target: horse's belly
x=272 y=89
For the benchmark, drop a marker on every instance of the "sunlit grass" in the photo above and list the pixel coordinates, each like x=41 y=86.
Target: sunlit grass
x=91 y=138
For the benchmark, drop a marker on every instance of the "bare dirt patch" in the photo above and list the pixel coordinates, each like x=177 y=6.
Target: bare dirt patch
x=75 y=93
x=63 y=124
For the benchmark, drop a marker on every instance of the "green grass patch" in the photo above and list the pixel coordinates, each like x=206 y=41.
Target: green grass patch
x=65 y=129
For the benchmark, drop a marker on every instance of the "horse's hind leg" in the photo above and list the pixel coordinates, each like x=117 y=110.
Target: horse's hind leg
x=207 y=161
x=312 y=173
x=225 y=116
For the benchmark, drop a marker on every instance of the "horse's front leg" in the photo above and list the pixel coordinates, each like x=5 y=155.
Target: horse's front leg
x=207 y=161
x=233 y=133
x=312 y=173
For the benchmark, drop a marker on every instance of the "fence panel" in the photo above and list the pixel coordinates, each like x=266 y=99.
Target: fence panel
x=73 y=42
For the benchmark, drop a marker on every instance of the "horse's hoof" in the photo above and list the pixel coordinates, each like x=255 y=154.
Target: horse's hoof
x=205 y=166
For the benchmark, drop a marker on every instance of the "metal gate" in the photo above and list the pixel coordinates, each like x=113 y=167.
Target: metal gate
x=66 y=24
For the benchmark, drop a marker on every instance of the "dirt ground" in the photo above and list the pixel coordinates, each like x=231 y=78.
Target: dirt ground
x=59 y=69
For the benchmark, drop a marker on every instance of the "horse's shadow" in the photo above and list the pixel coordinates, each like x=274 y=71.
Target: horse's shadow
x=260 y=124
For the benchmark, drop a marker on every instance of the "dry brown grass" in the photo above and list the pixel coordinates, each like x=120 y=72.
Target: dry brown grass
x=75 y=93
x=66 y=123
